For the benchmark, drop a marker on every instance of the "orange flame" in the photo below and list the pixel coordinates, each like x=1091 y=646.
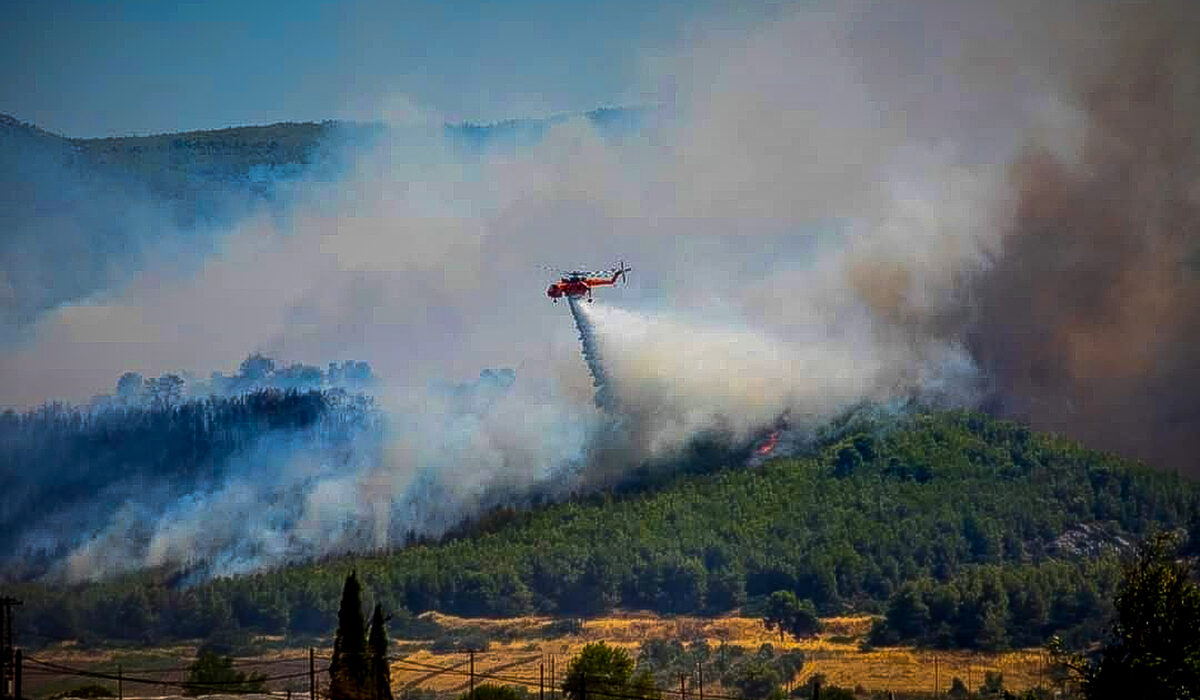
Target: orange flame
x=768 y=445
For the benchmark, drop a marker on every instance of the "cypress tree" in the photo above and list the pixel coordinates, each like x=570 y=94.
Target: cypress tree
x=348 y=668
x=377 y=647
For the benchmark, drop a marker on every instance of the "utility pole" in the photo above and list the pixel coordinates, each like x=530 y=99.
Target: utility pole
x=936 y=684
x=312 y=674
x=471 y=653
x=7 y=674
x=17 y=677
x=542 y=681
x=700 y=678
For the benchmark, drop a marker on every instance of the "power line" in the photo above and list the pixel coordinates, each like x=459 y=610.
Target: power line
x=595 y=684
x=149 y=681
x=426 y=677
x=587 y=679
x=236 y=663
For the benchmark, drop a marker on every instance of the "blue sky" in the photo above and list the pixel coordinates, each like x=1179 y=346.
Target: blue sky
x=97 y=69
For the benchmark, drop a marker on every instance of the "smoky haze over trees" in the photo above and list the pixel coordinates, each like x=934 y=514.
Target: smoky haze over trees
x=286 y=457
x=132 y=455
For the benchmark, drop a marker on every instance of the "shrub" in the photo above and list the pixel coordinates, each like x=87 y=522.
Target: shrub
x=89 y=690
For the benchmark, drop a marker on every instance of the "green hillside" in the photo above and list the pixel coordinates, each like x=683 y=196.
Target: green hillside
x=184 y=164
x=252 y=156
x=966 y=531
x=190 y=165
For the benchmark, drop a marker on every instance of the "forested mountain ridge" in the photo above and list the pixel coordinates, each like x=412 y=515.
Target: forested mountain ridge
x=189 y=165
x=964 y=530
x=172 y=165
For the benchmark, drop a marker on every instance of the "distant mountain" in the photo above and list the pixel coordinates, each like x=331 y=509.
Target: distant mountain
x=189 y=166
x=13 y=128
x=196 y=165
x=172 y=164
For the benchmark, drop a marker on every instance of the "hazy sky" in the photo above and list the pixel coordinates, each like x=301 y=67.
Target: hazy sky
x=142 y=66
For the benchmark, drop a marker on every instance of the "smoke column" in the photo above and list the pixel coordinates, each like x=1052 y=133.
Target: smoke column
x=1089 y=321
x=591 y=355
x=990 y=201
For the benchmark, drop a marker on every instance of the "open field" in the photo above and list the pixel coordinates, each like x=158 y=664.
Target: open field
x=835 y=652
x=521 y=646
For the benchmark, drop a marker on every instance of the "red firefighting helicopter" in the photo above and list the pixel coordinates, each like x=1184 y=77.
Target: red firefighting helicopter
x=578 y=284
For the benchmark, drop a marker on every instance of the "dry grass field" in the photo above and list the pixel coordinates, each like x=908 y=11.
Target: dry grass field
x=835 y=653
x=529 y=643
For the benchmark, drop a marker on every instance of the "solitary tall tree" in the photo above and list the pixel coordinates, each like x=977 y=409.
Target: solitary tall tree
x=348 y=668
x=791 y=615
x=377 y=647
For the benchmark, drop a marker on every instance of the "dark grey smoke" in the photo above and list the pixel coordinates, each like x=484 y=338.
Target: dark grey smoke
x=1089 y=321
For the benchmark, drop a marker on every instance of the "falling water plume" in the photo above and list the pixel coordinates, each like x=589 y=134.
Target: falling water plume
x=591 y=354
